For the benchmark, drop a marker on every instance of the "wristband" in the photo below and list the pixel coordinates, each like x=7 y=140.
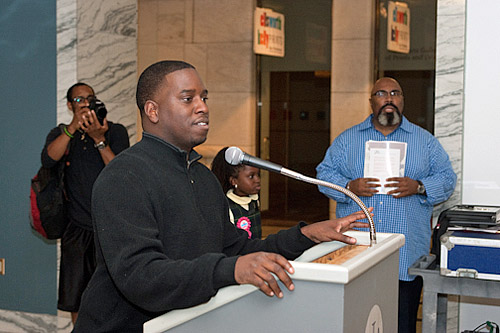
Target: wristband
x=101 y=145
x=71 y=136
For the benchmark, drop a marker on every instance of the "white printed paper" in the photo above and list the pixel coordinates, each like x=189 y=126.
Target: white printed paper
x=384 y=159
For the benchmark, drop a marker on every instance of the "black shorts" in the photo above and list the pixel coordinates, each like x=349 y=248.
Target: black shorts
x=77 y=266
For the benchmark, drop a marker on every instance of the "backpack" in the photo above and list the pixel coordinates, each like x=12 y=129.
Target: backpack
x=48 y=201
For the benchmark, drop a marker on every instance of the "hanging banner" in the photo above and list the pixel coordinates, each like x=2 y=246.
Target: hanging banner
x=269 y=32
x=398 y=27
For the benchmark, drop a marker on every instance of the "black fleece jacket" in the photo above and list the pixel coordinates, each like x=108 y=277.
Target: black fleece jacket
x=163 y=238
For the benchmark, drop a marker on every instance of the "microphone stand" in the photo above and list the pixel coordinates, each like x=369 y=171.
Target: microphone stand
x=298 y=176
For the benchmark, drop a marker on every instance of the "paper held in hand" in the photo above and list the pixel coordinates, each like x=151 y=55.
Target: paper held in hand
x=384 y=159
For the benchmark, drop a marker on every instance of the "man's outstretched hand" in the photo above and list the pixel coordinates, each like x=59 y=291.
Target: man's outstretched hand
x=333 y=230
x=258 y=268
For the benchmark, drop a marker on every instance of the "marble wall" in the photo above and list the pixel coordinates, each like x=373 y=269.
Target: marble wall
x=448 y=119
x=97 y=44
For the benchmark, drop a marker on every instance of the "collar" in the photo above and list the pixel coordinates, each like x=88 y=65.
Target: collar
x=368 y=124
x=193 y=155
x=241 y=200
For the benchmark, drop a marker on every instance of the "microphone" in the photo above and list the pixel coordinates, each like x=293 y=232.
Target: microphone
x=235 y=156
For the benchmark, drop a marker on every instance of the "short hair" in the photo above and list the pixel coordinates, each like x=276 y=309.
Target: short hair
x=152 y=77
x=69 y=94
x=223 y=170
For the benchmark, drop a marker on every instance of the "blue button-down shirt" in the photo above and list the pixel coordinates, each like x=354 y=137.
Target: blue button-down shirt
x=426 y=161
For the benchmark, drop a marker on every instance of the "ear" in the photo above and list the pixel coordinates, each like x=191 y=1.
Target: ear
x=151 y=111
x=70 y=106
x=232 y=180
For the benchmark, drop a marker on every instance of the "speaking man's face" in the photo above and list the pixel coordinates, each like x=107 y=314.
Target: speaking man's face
x=182 y=109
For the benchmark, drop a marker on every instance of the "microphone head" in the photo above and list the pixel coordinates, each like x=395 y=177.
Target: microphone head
x=234 y=155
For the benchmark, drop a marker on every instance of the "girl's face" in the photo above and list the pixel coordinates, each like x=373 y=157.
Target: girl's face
x=247 y=182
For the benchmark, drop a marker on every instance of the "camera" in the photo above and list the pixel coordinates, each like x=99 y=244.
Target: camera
x=99 y=109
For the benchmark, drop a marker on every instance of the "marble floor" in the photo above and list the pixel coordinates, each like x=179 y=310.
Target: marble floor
x=24 y=322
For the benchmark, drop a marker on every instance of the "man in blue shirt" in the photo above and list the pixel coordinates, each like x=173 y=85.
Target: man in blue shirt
x=407 y=207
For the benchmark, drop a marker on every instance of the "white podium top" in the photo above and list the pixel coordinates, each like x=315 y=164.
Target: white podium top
x=304 y=270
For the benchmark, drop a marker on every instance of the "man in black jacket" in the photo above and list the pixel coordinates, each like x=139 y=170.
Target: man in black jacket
x=92 y=146
x=162 y=231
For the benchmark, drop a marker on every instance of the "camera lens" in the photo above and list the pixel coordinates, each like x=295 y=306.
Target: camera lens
x=99 y=109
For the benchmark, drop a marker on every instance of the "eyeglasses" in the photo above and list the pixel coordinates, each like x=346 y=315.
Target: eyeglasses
x=383 y=93
x=80 y=99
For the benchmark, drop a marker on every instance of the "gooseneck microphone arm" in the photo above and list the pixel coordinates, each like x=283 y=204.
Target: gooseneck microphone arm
x=235 y=156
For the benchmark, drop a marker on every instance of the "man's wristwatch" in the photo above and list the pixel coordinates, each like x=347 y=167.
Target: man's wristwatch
x=420 y=188
x=101 y=145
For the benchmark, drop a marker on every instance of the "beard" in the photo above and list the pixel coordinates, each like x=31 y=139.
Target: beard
x=389 y=118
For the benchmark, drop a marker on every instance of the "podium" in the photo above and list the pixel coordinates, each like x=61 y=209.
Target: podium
x=358 y=295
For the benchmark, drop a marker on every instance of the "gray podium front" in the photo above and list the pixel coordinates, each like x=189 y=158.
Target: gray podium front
x=359 y=295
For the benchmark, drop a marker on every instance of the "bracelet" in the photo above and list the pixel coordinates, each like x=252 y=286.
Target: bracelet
x=71 y=136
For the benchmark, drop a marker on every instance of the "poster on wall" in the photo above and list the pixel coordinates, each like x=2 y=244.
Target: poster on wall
x=269 y=32
x=398 y=27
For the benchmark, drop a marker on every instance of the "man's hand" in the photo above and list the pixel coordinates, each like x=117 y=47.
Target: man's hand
x=404 y=186
x=77 y=121
x=332 y=230
x=91 y=125
x=256 y=269
x=364 y=187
